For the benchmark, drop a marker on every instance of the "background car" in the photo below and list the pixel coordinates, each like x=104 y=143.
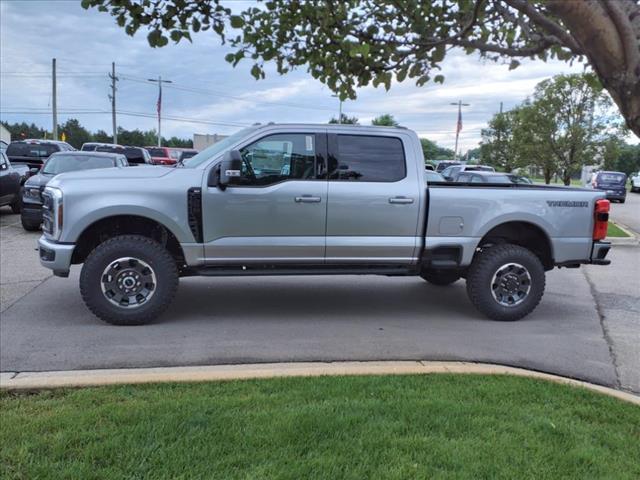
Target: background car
x=11 y=180
x=635 y=182
x=444 y=164
x=61 y=162
x=187 y=153
x=450 y=173
x=430 y=176
x=614 y=184
x=35 y=152
x=135 y=155
x=163 y=155
x=92 y=146
x=490 y=177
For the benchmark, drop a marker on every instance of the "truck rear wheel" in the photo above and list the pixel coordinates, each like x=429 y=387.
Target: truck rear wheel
x=440 y=277
x=506 y=282
x=128 y=280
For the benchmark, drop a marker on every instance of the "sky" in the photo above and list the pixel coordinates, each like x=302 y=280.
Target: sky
x=208 y=95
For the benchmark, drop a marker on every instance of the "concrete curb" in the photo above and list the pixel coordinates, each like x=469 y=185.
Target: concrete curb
x=12 y=381
x=632 y=239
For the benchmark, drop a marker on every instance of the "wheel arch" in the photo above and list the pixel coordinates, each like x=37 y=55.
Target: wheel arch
x=121 y=224
x=524 y=234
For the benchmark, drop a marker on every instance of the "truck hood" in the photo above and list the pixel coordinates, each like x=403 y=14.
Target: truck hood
x=115 y=173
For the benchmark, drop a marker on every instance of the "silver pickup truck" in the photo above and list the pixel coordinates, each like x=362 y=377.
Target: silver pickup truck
x=309 y=200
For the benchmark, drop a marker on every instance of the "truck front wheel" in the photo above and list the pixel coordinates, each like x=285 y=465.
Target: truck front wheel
x=440 y=277
x=128 y=280
x=505 y=282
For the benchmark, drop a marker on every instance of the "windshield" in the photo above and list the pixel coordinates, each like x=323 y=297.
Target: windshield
x=38 y=150
x=217 y=148
x=431 y=176
x=611 y=177
x=70 y=163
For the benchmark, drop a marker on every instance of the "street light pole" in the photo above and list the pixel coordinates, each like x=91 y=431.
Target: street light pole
x=160 y=81
x=339 y=109
x=458 y=125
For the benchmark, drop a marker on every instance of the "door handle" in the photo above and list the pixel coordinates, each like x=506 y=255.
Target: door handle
x=307 y=199
x=401 y=200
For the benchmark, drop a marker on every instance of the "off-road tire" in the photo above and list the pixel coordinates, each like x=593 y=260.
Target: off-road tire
x=481 y=273
x=29 y=226
x=441 y=278
x=142 y=248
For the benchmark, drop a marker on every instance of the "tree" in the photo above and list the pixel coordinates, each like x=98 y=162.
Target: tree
x=432 y=151
x=24 y=130
x=102 y=137
x=611 y=149
x=629 y=159
x=385 y=120
x=345 y=119
x=564 y=126
x=499 y=146
x=351 y=43
x=75 y=134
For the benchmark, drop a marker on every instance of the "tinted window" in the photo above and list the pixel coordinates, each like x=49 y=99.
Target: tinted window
x=273 y=159
x=368 y=159
x=611 y=177
x=134 y=155
x=37 y=150
x=157 y=152
x=69 y=163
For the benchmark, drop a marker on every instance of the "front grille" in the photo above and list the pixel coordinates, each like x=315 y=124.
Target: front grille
x=194 y=207
x=47 y=213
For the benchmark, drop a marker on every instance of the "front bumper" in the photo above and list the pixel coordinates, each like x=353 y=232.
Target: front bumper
x=55 y=256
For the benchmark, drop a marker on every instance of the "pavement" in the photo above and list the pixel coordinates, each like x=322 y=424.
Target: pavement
x=585 y=328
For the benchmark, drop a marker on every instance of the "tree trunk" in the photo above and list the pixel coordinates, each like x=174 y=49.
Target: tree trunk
x=566 y=177
x=608 y=32
x=547 y=175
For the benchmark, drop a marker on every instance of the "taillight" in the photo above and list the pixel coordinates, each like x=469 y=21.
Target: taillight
x=601 y=219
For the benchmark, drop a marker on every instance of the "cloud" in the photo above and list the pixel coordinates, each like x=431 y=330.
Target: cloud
x=207 y=89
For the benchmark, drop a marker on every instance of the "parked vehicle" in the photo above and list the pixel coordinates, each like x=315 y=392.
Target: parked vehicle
x=311 y=199
x=92 y=146
x=635 y=182
x=431 y=176
x=470 y=176
x=187 y=153
x=61 y=162
x=3 y=146
x=445 y=164
x=134 y=155
x=614 y=184
x=35 y=152
x=163 y=155
x=11 y=179
x=451 y=172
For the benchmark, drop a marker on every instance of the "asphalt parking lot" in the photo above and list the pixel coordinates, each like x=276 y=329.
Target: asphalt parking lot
x=586 y=327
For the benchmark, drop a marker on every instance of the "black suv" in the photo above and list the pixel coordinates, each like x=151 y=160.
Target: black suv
x=35 y=152
x=614 y=184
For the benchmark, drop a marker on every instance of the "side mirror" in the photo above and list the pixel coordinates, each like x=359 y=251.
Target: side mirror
x=230 y=167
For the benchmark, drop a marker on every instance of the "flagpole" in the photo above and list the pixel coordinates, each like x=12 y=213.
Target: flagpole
x=458 y=126
x=159 y=105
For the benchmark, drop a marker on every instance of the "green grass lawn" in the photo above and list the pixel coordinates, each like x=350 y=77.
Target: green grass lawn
x=574 y=182
x=383 y=427
x=614 y=231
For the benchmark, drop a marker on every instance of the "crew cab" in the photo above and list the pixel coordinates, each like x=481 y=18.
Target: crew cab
x=308 y=200
x=34 y=152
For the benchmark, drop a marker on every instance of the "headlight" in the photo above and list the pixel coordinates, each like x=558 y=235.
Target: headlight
x=52 y=212
x=32 y=192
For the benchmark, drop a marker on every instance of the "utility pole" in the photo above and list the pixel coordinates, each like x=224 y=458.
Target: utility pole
x=159 y=105
x=54 y=103
x=112 y=97
x=339 y=109
x=459 y=124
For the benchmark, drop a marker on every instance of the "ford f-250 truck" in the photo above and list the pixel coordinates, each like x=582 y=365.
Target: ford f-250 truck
x=311 y=199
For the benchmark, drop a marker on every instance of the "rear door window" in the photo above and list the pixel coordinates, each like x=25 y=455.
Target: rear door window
x=36 y=150
x=364 y=158
x=616 y=178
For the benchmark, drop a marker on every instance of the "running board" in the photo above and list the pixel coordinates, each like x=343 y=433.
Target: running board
x=263 y=270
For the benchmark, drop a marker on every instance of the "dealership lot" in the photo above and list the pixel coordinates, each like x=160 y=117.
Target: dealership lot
x=45 y=325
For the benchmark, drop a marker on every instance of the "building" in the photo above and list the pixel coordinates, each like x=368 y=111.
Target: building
x=5 y=136
x=202 y=141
